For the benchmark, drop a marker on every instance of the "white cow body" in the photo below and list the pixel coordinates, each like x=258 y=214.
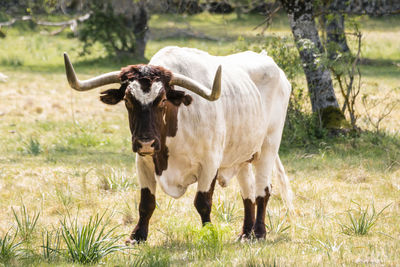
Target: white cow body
x=222 y=136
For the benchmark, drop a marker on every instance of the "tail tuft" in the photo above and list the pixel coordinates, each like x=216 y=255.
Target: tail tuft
x=284 y=185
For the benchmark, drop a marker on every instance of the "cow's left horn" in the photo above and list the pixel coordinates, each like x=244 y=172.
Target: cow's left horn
x=74 y=82
x=196 y=87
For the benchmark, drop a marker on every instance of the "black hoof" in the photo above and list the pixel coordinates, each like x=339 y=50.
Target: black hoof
x=260 y=231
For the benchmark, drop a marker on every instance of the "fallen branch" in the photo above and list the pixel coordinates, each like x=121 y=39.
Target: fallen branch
x=72 y=23
x=186 y=33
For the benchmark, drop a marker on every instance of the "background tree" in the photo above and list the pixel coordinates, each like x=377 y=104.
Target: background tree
x=121 y=26
x=305 y=33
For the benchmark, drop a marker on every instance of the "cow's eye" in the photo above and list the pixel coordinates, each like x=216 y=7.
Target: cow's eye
x=128 y=104
x=162 y=103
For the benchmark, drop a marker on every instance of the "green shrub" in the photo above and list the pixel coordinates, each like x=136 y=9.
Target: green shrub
x=108 y=29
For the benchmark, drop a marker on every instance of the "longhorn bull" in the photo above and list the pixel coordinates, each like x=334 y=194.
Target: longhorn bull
x=232 y=130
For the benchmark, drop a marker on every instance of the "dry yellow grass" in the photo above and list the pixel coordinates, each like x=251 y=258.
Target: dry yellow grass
x=82 y=141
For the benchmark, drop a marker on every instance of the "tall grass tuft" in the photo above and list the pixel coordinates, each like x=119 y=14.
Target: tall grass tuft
x=208 y=242
x=329 y=247
x=51 y=244
x=9 y=248
x=255 y=258
x=26 y=223
x=33 y=147
x=149 y=256
x=361 y=220
x=225 y=211
x=90 y=242
x=115 y=180
x=277 y=224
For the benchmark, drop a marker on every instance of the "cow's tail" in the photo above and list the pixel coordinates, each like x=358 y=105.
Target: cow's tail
x=284 y=185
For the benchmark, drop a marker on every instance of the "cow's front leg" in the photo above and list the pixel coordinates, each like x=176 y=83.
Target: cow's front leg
x=147 y=203
x=146 y=208
x=203 y=200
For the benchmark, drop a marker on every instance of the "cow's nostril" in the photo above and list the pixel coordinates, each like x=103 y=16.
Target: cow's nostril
x=146 y=143
x=146 y=147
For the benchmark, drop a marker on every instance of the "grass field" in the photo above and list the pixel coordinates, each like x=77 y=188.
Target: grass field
x=64 y=156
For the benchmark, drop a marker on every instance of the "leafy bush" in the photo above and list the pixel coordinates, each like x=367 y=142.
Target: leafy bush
x=108 y=29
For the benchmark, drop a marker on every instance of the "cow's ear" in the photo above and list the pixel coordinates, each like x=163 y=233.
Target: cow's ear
x=112 y=96
x=177 y=97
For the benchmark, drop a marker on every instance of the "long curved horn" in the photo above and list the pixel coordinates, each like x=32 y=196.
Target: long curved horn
x=74 y=82
x=196 y=87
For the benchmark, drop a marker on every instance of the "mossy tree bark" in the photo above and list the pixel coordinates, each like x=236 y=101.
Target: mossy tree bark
x=322 y=94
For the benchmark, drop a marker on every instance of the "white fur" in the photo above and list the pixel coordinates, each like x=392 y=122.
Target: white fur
x=222 y=136
x=148 y=97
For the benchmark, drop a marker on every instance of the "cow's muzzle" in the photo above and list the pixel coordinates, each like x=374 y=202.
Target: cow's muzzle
x=145 y=147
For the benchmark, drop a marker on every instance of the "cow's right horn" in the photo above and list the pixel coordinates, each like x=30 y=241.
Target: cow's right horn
x=75 y=83
x=196 y=87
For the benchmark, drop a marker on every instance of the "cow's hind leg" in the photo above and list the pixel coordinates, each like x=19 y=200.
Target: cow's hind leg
x=203 y=201
x=246 y=182
x=263 y=168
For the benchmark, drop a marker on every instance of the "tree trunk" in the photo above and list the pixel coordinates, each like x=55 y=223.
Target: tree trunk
x=140 y=28
x=320 y=87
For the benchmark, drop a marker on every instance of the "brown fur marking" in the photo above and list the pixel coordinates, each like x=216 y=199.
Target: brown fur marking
x=249 y=218
x=203 y=203
x=146 y=209
x=259 y=225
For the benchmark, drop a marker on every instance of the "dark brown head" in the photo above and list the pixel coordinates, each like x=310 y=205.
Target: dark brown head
x=152 y=105
x=150 y=98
